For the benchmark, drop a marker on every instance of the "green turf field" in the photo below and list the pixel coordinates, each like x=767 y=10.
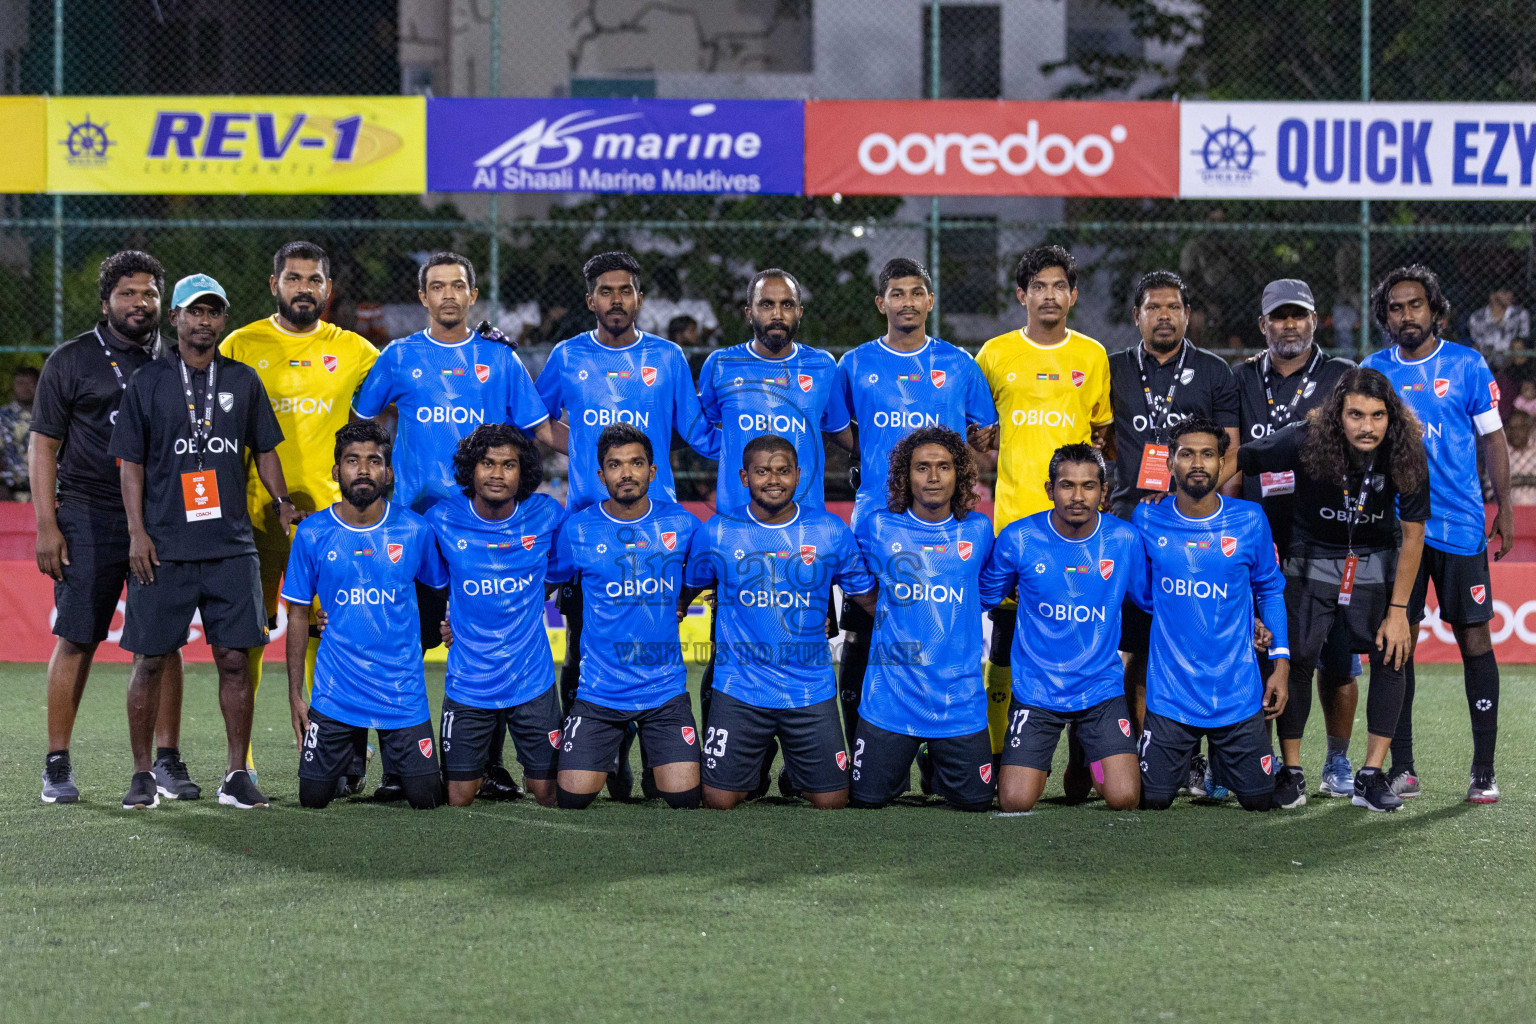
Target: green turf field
x=504 y=912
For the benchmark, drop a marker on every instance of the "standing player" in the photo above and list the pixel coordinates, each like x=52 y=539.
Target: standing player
x=187 y=425
x=616 y=373
x=1073 y=568
x=311 y=369
x=1290 y=378
x=628 y=552
x=1359 y=469
x=497 y=539
x=82 y=542
x=361 y=558
x=772 y=564
x=893 y=385
x=1212 y=559
x=1050 y=386
x=1451 y=390
x=926 y=549
x=443 y=381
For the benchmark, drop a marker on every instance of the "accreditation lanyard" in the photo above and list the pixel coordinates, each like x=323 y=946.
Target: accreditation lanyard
x=202 y=429
x=117 y=371
x=1354 y=509
x=1289 y=410
x=1158 y=408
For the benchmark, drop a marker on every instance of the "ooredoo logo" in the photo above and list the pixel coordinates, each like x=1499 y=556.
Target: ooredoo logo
x=1017 y=153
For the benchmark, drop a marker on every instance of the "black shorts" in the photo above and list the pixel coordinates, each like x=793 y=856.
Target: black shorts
x=87 y=597
x=467 y=733
x=1104 y=730
x=1241 y=756
x=1317 y=619
x=227 y=591
x=1005 y=620
x=882 y=767
x=737 y=739
x=668 y=735
x=1462 y=584
x=331 y=747
x=1135 y=628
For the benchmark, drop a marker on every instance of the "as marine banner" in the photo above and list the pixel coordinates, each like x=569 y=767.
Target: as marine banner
x=236 y=144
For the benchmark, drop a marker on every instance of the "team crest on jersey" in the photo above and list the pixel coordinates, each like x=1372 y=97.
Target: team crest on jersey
x=1493 y=391
x=482 y=372
x=688 y=734
x=1267 y=762
x=938 y=377
x=329 y=362
x=1442 y=387
x=842 y=761
x=806 y=380
x=1125 y=727
x=395 y=551
x=1187 y=376
x=648 y=375
x=1479 y=593
x=986 y=773
x=425 y=746
x=554 y=738
x=1078 y=378
x=1228 y=546
x=226 y=401
x=528 y=540
x=808 y=553
x=1106 y=570
x=964 y=549
x=669 y=540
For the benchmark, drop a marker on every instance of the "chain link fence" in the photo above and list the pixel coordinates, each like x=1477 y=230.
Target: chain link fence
x=699 y=252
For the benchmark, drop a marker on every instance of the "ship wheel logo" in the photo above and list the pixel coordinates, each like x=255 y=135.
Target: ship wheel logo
x=87 y=142
x=1227 y=154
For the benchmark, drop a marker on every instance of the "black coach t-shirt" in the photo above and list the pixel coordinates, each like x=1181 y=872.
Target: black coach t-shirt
x=1320 y=514
x=155 y=431
x=78 y=395
x=1204 y=386
x=1287 y=400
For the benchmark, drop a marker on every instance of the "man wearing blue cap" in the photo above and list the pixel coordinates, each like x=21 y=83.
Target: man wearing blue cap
x=186 y=424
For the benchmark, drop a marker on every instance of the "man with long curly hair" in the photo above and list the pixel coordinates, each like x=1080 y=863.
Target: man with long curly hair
x=1356 y=537
x=497 y=538
x=1452 y=391
x=924 y=683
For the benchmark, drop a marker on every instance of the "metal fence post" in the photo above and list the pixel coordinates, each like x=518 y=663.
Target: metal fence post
x=494 y=270
x=58 y=200
x=1362 y=341
x=933 y=203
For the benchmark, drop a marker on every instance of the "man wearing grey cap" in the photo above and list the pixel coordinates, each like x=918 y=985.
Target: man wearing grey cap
x=185 y=426
x=1280 y=386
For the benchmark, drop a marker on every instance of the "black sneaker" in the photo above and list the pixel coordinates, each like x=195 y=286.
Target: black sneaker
x=787 y=788
x=1290 y=788
x=389 y=789
x=498 y=784
x=925 y=770
x=142 y=792
x=1195 y=785
x=59 y=780
x=172 y=780
x=357 y=774
x=238 y=790
x=1484 y=788
x=1374 y=792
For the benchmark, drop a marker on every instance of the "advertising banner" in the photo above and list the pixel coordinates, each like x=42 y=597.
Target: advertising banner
x=986 y=147
x=236 y=144
x=1357 y=150
x=23 y=125
x=720 y=147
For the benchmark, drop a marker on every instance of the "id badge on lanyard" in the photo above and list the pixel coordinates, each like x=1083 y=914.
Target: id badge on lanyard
x=1355 y=509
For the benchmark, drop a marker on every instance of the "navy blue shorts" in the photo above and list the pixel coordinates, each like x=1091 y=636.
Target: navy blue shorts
x=882 y=767
x=736 y=742
x=1242 y=758
x=467 y=734
x=1104 y=730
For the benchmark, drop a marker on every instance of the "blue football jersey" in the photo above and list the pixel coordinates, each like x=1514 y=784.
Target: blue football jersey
x=1204 y=577
x=368 y=672
x=647 y=384
x=1453 y=394
x=924 y=676
x=500 y=656
x=893 y=393
x=795 y=397
x=443 y=392
x=631 y=575
x=1066 y=647
x=772 y=585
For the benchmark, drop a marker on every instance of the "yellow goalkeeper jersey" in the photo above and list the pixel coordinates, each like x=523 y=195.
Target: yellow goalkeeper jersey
x=1046 y=396
x=310 y=380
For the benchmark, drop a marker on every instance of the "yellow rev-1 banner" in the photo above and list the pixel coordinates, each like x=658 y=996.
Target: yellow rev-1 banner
x=237 y=144
x=22 y=125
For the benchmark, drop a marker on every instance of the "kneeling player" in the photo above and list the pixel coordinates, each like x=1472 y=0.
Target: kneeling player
x=771 y=564
x=1074 y=567
x=1211 y=559
x=362 y=558
x=924 y=678
x=497 y=539
x=628 y=552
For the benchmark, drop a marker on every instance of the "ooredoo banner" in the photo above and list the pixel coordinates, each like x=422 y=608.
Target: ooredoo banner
x=986 y=147
x=1357 y=151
